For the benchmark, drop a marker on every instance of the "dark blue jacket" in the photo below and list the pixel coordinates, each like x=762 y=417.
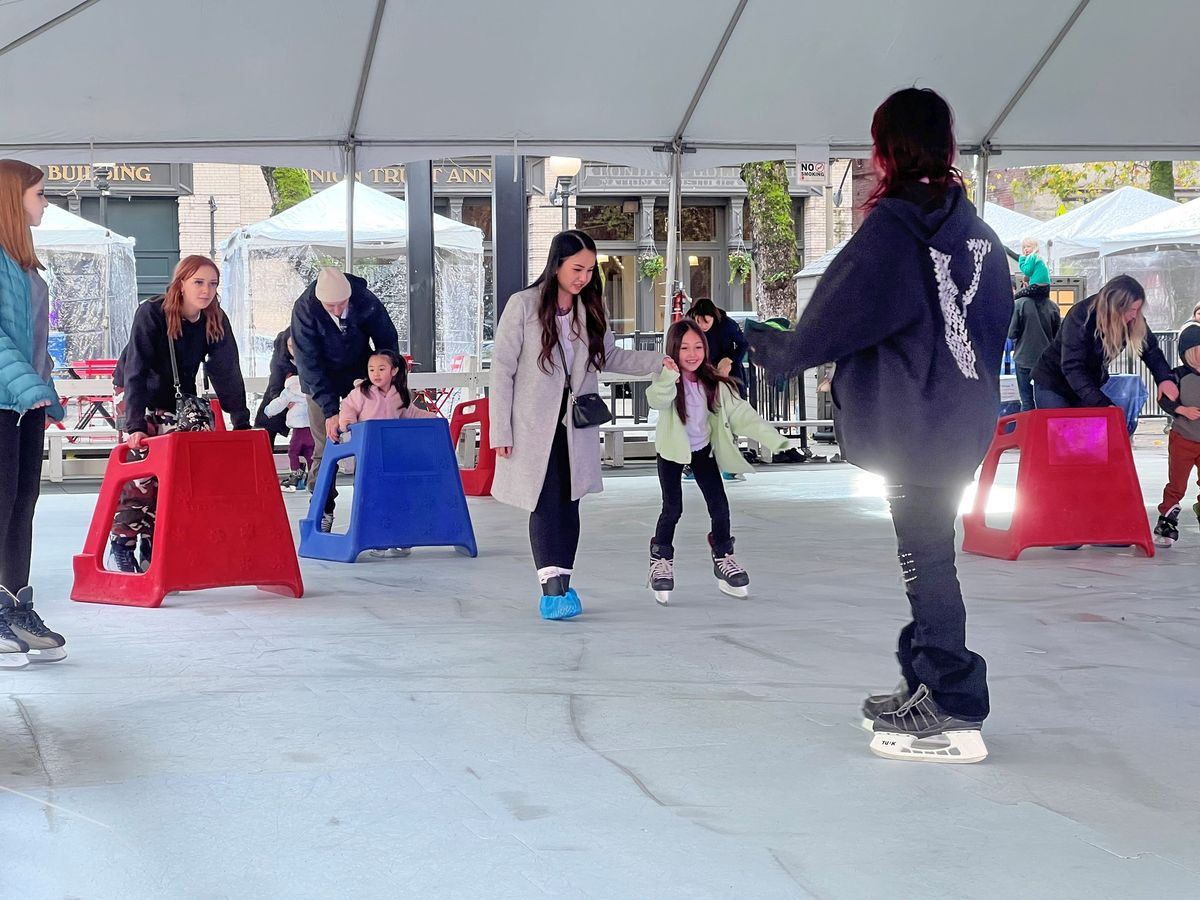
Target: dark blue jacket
x=328 y=360
x=726 y=341
x=915 y=312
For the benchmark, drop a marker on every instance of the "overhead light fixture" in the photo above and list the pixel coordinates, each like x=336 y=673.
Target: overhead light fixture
x=602 y=257
x=693 y=261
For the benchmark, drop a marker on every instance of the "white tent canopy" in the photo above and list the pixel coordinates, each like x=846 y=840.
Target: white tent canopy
x=1010 y=226
x=738 y=79
x=1178 y=226
x=92 y=277
x=380 y=224
x=266 y=266
x=1083 y=230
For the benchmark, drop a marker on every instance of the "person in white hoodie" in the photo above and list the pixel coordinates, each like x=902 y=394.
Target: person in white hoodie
x=300 y=448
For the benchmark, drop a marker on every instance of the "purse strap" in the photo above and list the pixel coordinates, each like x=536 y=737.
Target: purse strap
x=566 y=369
x=174 y=371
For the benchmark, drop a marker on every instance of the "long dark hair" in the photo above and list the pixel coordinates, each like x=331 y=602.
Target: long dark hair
x=566 y=244
x=399 y=380
x=707 y=374
x=703 y=306
x=913 y=139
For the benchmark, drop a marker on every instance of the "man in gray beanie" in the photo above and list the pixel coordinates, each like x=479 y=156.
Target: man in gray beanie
x=337 y=323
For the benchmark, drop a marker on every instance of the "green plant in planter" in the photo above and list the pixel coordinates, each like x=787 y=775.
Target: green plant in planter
x=739 y=266
x=650 y=266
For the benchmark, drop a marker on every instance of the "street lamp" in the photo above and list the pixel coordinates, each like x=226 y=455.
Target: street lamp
x=561 y=195
x=101 y=173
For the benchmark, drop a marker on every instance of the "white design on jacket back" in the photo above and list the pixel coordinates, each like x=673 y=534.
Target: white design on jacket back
x=958 y=340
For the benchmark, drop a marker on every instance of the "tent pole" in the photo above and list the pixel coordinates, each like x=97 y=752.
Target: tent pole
x=673 y=201
x=981 y=175
x=348 y=177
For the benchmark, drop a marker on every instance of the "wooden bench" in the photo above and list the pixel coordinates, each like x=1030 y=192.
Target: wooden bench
x=614 y=436
x=104 y=440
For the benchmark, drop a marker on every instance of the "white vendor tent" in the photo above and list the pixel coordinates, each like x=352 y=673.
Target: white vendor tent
x=91 y=274
x=1178 y=226
x=1010 y=226
x=266 y=266
x=1084 y=229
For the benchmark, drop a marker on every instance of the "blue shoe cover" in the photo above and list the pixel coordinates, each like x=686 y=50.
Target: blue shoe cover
x=566 y=606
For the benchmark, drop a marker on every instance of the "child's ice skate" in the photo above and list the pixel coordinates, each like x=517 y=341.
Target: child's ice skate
x=23 y=622
x=290 y=481
x=13 y=649
x=732 y=579
x=877 y=704
x=1166 y=532
x=123 y=556
x=662 y=573
x=921 y=731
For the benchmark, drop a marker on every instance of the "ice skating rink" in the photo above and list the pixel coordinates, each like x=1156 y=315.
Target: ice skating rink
x=411 y=728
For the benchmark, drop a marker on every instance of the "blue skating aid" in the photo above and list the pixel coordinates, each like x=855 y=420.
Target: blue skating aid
x=566 y=606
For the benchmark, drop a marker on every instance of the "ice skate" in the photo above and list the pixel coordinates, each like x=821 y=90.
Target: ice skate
x=145 y=552
x=732 y=579
x=122 y=556
x=326 y=525
x=877 y=704
x=290 y=482
x=662 y=574
x=23 y=622
x=13 y=649
x=392 y=553
x=1166 y=532
x=921 y=731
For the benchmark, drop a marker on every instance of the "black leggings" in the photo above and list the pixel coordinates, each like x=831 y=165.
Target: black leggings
x=708 y=478
x=20 y=482
x=554 y=522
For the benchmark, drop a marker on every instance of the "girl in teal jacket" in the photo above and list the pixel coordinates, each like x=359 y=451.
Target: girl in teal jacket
x=27 y=397
x=699 y=412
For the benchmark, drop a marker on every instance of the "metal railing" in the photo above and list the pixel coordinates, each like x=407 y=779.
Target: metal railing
x=1129 y=363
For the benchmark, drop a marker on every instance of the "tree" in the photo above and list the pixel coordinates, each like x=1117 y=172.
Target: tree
x=774 y=253
x=287 y=187
x=1082 y=182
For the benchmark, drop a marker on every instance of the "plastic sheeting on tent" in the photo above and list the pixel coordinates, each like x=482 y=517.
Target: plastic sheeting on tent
x=1174 y=227
x=92 y=277
x=1034 y=99
x=1084 y=229
x=269 y=264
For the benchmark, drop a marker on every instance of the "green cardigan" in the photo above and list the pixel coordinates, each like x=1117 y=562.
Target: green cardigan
x=733 y=416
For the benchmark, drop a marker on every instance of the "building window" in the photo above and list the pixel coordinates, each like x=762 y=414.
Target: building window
x=477 y=211
x=606 y=221
x=697 y=224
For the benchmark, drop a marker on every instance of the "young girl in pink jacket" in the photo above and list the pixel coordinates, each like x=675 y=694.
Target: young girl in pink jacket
x=384 y=395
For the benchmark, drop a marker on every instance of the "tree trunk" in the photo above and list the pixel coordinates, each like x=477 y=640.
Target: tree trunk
x=1162 y=178
x=286 y=186
x=774 y=251
x=272 y=188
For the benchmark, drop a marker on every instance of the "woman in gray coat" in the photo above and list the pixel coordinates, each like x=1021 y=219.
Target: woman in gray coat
x=553 y=328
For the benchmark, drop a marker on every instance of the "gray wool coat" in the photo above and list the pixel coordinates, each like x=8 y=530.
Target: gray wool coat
x=524 y=401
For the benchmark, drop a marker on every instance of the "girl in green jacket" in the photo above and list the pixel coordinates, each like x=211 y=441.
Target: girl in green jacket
x=699 y=412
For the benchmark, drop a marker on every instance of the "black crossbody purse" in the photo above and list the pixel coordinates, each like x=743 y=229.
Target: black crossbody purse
x=191 y=413
x=587 y=410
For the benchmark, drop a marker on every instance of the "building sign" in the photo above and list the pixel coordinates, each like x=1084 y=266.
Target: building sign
x=810 y=172
x=600 y=178
x=464 y=179
x=123 y=178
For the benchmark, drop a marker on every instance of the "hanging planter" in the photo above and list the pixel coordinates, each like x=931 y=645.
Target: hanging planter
x=739 y=266
x=650 y=266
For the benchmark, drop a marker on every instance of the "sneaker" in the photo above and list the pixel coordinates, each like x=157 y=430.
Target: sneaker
x=1166 y=532
x=145 y=553
x=877 y=704
x=44 y=645
x=327 y=523
x=732 y=579
x=12 y=647
x=123 y=556
x=921 y=731
x=662 y=575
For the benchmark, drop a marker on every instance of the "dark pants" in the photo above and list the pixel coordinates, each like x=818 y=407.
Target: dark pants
x=138 y=503
x=554 y=522
x=708 y=477
x=316 y=426
x=300 y=446
x=1048 y=399
x=1025 y=388
x=20 y=481
x=933 y=646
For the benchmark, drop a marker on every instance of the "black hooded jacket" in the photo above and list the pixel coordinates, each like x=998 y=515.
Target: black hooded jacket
x=915 y=312
x=329 y=358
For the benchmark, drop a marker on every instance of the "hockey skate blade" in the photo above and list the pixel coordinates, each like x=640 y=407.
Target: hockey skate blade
x=948 y=747
x=13 y=660
x=727 y=588
x=662 y=598
x=50 y=654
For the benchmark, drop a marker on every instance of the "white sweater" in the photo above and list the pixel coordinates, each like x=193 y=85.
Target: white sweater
x=297 y=416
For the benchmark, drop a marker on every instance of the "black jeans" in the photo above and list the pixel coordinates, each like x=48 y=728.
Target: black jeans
x=20 y=482
x=933 y=646
x=1025 y=388
x=708 y=477
x=554 y=522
